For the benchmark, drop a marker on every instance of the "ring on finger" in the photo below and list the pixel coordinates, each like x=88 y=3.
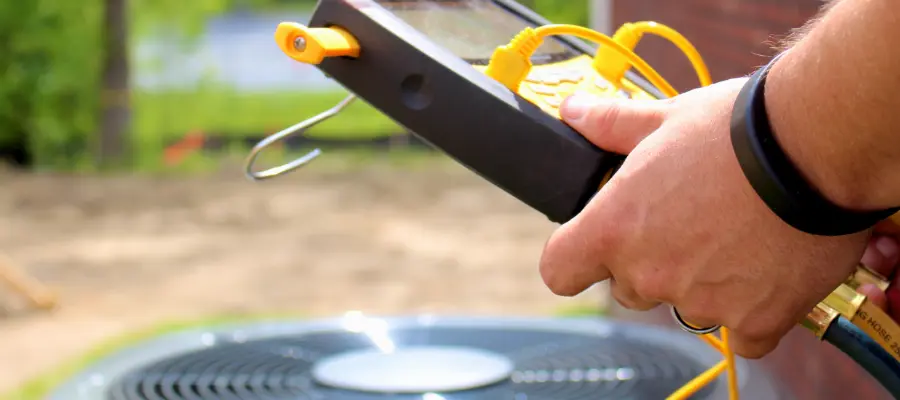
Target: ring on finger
x=687 y=327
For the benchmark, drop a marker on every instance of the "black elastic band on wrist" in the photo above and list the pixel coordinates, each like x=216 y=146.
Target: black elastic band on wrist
x=775 y=178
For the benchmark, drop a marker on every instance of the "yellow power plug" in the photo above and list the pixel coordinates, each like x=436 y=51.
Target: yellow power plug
x=609 y=62
x=510 y=64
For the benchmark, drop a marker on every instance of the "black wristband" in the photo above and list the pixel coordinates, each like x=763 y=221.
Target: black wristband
x=774 y=177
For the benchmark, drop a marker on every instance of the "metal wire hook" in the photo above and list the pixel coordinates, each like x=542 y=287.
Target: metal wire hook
x=300 y=128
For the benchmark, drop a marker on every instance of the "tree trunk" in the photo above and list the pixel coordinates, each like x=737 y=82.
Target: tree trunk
x=115 y=116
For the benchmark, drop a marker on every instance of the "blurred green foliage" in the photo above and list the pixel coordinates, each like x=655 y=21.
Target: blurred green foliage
x=167 y=116
x=50 y=87
x=50 y=91
x=562 y=11
x=49 y=82
x=164 y=114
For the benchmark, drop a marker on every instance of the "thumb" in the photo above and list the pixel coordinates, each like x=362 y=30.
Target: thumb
x=615 y=125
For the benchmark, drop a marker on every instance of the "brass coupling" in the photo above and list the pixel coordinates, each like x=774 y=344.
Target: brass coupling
x=819 y=319
x=845 y=300
x=863 y=275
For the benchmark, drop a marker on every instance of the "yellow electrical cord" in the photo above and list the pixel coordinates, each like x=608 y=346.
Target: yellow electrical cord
x=637 y=62
x=700 y=381
x=510 y=64
x=679 y=41
x=731 y=370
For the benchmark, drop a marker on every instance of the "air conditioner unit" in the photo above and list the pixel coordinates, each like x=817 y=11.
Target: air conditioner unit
x=424 y=358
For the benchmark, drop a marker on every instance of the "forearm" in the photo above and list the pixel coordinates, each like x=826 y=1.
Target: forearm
x=834 y=103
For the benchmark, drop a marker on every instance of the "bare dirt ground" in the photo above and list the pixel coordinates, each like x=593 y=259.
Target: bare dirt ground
x=124 y=253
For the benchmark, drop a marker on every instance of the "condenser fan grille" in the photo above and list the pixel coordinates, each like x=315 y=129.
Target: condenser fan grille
x=549 y=365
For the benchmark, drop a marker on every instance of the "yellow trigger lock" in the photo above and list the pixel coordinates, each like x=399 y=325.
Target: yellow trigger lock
x=312 y=45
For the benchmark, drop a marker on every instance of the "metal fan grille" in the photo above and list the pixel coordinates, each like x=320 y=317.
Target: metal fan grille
x=549 y=366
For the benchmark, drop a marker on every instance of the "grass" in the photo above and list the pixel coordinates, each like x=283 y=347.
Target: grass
x=332 y=160
x=161 y=119
x=173 y=114
x=41 y=386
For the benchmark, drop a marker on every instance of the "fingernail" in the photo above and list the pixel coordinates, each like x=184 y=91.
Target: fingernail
x=576 y=106
x=887 y=246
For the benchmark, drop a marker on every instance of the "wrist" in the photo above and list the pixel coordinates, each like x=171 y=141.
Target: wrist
x=832 y=104
x=777 y=179
x=799 y=109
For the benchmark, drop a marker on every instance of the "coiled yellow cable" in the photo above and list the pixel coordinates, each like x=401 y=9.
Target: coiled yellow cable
x=678 y=40
x=511 y=63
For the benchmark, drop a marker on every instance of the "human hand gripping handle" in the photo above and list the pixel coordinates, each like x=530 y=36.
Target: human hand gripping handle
x=679 y=224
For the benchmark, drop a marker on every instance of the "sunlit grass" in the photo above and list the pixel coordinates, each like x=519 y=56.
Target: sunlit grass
x=232 y=160
x=161 y=119
x=168 y=115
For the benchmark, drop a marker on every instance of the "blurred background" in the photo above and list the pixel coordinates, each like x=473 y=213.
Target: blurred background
x=124 y=212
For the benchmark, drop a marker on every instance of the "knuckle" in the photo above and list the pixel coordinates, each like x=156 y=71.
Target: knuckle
x=630 y=298
x=650 y=283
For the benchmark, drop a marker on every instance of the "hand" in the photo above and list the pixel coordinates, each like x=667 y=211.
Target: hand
x=882 y=255
x=680 y=224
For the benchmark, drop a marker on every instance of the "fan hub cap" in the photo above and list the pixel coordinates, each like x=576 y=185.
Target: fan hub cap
x=416 y=369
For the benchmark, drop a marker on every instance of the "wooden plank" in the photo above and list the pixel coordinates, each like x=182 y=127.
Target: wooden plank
x=39 y=295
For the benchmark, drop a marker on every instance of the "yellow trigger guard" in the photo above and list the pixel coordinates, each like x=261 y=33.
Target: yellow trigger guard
x=312 y=45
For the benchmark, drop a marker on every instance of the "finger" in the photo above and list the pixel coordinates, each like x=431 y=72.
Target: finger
x=569 y=264
x=615 y=125
x=874 y=295
x=881 y=255
x=573 y=258
x=752 y=349
x=626 y=296
x=694 y=320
